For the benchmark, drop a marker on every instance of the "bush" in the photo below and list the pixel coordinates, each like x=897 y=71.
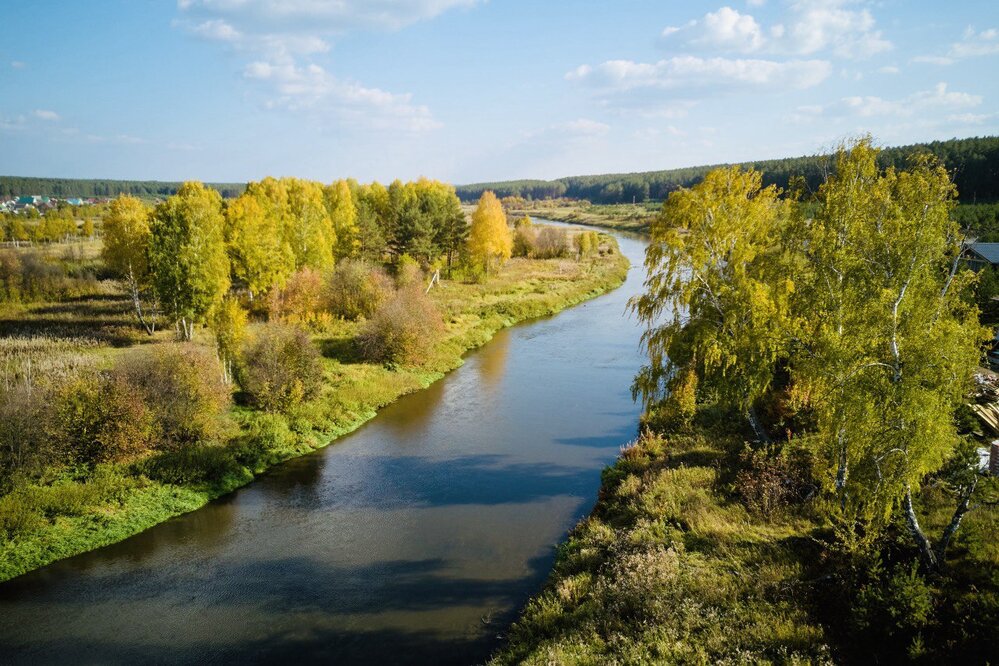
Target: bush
x=24 y=448
x=181 y=384
x=281 y=368
x=408 y=272
x=100 y=419
x=301 y=301
x=403 y=330
x=525 y=239
x=768 y=483
x=357 y=289
x=552 y=242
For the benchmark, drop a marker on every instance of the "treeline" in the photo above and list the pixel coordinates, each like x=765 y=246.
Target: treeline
x=13 y=186
x=973 y=164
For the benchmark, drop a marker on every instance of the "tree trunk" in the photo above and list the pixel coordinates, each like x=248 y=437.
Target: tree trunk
x=955 y=522
x=912 y=522
x=758 y=429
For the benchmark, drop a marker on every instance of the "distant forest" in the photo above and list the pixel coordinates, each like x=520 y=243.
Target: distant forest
x=974 y=166
x=973 y=163
x=67 y=188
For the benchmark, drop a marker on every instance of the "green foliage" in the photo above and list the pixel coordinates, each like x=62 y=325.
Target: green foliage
x=340 y=206
x=182 y=385
x=228 y=323
x=713 y=297
x=357 y=288
x=974 y=163
x=261 y=257
x=403 y=330
x=187 y=257
x=282 y=368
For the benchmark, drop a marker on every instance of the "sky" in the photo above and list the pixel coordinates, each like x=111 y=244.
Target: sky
x=477 y=90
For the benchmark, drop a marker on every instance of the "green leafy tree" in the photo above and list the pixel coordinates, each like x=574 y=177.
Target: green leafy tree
x=342 y=210
x=261 y=258
x=126 y=248
x=891 y=336
x=228 y=323
x=715 y=300
x=308 y=227
x=187 y=255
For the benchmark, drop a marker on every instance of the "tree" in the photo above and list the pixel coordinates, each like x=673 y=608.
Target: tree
x=715 y=297
x=260 y=257
x=340 y=207
x=187 y=257
x=891 y=336
x=307 y=226
x=489 y=239
x=228 y=323
x=125 y=250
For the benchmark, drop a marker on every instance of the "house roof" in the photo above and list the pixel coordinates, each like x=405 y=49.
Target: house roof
x=987 y=251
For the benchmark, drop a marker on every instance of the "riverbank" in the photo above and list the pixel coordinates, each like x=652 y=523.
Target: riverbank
x=690 y=556
x=123 y=500
x=619 y=217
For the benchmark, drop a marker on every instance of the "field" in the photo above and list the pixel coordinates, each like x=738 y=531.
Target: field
x=89 y=325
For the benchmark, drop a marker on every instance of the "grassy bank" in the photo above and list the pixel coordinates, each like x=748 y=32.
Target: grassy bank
x=71 y=511
x=677 y=564
x=621 y=217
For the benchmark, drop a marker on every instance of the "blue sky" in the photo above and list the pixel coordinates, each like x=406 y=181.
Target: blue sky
x=471 y=90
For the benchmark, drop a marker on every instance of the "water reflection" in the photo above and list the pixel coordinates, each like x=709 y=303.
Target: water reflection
x=413 y=540
x=491 y=359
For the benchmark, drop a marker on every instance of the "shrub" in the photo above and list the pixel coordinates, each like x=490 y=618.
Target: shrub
x=301 y=301
x=768 y=483
x=525 y=240
x=24 y=448
x=552 y=242
x=99 y=419
x=193 y=464
x=281 y=368
x=403 y=330
x=357 y=289
x=182 y=386
x=408 y=272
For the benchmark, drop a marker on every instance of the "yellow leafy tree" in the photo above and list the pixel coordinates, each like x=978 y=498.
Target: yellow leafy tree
x=489 y=239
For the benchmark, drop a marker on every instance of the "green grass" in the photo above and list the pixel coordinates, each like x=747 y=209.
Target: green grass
x=64 y=515
x=665 y=570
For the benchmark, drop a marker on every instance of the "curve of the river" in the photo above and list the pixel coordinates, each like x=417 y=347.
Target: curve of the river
x=413 y=540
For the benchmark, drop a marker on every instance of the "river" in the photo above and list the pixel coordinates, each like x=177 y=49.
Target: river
x=414 y=540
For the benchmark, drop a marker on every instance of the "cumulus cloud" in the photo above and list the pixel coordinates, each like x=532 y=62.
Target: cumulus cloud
x=810 y=27
x=974 y=44
x=311 y=87
x=280 y=38
x=45 y=114
x=937 y=99
x=692 y=72
x=320 y=16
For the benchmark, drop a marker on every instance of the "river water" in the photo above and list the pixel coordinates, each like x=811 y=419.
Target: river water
x=414 y=540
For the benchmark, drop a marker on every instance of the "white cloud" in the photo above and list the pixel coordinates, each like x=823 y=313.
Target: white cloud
x=810 y=27
x=320 y=16
x=974 y=44
x=692 y=72
x=970 y=118
x=934 y=60
x=937 y=99
x=17 y=64
x=280 y=38
x=726 y=29
x=45 y=114
x=583 y=127
x=889 y=69
x=311 y=87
